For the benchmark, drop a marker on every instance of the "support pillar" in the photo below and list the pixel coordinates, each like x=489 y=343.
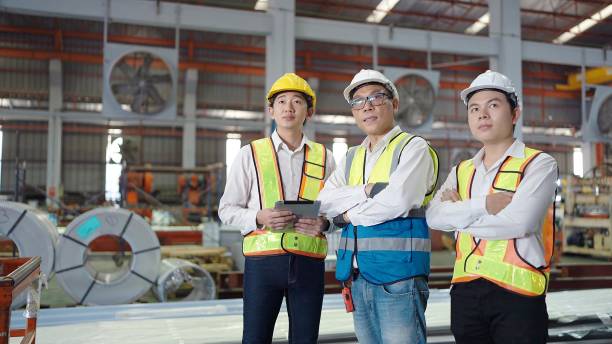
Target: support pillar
x=505 y=25
x=280 y=46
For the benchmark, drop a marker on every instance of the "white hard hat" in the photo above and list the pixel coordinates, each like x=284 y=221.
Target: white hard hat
x=369 y=75
x=490 y=79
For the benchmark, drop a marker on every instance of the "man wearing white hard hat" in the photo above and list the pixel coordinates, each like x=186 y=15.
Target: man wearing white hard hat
x=377 y=196
x=496 y=204
x=284 y=256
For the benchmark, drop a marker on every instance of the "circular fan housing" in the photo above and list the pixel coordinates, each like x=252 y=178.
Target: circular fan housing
x=416 y=100
x=141 y=82
x=604 y=117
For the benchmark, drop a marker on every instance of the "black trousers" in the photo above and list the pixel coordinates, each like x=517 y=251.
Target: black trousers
x=267 y=280
x=484 y=313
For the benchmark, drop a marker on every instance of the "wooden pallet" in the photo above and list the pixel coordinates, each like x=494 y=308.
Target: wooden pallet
x=213 y=259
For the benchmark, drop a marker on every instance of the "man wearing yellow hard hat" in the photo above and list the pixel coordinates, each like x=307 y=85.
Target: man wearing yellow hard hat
x=283 y=254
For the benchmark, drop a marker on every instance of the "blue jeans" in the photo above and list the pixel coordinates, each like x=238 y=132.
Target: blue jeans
x=393 y=313
x=267 y=280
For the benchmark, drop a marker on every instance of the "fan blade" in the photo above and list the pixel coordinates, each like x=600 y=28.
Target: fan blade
x=123 y=89
x=125 y=69
x=154 y=94
x=413 y=85
x=425 y=104
x=146 y=66
x=138 y=102
x=162 y=78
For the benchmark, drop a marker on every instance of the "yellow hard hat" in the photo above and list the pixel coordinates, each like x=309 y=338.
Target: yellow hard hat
x=292 y=82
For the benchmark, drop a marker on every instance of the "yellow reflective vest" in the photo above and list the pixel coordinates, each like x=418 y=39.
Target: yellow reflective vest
x=265 y=242
x=498 y=260
x=386 y=163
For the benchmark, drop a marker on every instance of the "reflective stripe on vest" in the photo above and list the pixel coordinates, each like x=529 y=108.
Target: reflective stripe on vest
x=388 y=244
x=386 y=164
x=264 y=242
x=498 y=260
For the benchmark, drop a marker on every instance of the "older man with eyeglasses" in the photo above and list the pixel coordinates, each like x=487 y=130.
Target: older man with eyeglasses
x=377 y=196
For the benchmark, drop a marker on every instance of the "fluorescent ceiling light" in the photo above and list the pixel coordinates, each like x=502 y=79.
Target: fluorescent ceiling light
x=381 y=11
x=261 y=5
x=584 y=25
x=478 y=25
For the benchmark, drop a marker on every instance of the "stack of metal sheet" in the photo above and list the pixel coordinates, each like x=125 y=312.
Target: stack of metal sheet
x=579 y=316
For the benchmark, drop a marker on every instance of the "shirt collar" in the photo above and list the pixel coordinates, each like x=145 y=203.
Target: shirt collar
x=516 y=149
x=279 y=144
x=385 y=141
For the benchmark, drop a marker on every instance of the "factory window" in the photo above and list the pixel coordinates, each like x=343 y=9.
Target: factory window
x=232 y=147
x=113 y=167
x=339 y=148
x=578 y=164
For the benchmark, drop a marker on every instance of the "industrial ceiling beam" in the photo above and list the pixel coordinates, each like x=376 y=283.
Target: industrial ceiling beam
x=257 y=23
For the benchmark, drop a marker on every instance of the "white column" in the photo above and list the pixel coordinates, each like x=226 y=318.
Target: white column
x=280 y=46
x=189 y=112
x=588 y=158
x=54 y=131
x=505 y=25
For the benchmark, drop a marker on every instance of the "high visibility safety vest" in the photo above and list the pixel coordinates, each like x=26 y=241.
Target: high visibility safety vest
x=393 y=250
x=266 y=242
x=498 y=260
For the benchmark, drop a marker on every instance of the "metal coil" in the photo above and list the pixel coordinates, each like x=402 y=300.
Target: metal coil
x=178 y=273
x=86 y=284
x=33 y=235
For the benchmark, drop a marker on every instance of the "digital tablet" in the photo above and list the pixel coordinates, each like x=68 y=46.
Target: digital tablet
x=305 y=209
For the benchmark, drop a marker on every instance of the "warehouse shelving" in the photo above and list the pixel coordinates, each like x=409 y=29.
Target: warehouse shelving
x=587 y=226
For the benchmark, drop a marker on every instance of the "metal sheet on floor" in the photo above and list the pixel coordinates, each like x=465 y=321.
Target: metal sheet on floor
x=574 y=315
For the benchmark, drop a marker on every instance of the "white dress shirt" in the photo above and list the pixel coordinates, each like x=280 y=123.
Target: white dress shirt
x=406 y=189
x=240 y=201
x=521 y=219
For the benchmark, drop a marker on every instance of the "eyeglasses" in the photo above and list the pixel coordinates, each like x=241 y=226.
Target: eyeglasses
x=375 y=99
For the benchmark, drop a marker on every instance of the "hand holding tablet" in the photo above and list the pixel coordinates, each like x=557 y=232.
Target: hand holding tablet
x=306 y=209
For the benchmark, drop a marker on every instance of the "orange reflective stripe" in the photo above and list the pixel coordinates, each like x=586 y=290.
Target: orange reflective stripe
x=458 y=253
x=307 y=254
x=313 y=171
x=464 y=279
x=264 y=253
x=548 y=236
x=511 y=287
x=524 y=166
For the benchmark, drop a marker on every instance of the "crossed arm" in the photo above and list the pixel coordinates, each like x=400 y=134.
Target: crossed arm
x=498 y=216
x=406 y=190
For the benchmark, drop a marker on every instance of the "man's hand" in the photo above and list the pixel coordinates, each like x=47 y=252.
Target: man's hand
x=311 y=227
x=498 y=201
x=450 y=195
x=275 y=219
